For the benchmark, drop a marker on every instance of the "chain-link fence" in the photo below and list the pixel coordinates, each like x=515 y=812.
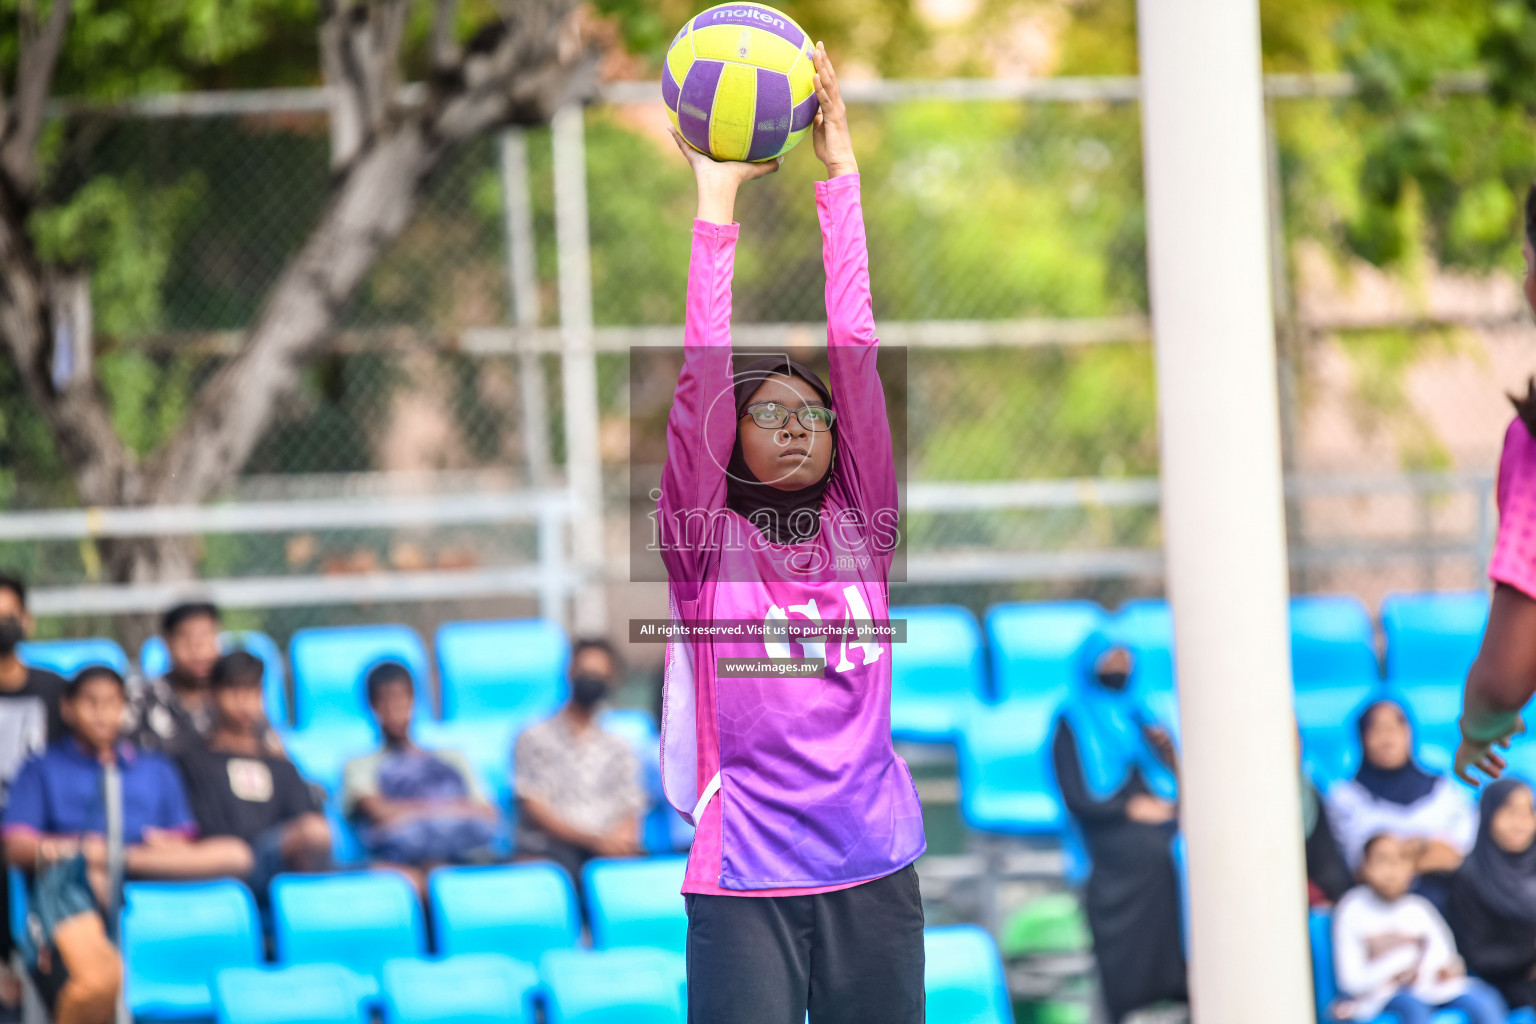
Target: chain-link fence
x=1007 y=250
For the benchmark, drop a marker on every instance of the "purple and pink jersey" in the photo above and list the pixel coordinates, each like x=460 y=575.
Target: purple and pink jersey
x=792 y=783
x=1514 y=553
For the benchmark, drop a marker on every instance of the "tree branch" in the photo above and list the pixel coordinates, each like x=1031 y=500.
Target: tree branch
x=34 y=79
x=445 y=43
x=517 y=70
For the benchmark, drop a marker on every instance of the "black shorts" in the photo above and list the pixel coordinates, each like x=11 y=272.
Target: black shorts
x=852 y=956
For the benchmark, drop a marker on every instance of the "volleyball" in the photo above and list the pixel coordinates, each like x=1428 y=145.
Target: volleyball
x=737 y=82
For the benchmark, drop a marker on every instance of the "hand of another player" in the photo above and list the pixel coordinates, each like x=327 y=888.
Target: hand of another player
x=1480 y=754
x=1149 y=810
x=829 y=132
x=709 y=171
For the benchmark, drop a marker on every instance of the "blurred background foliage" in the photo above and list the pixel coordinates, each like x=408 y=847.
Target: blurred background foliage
x=976 y=211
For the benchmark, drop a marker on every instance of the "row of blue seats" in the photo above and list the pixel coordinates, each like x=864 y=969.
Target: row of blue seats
x=178 y=938
x=1030 y=650
x=515 y=668
x=500 y=668
x=1325 y=987
x=1006 y=782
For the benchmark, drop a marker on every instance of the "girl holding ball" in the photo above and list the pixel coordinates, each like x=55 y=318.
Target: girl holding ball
x=777 y=507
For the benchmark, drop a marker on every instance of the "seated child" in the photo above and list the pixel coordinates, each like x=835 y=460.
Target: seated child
x=1393 y=951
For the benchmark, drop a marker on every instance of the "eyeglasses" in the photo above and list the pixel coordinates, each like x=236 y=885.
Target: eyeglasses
x=771 y=416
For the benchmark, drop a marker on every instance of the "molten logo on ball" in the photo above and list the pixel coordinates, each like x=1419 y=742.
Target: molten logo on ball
x=748 y=12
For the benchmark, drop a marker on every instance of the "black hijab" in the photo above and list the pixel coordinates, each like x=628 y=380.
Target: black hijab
x=1403 y=785
x=1505 y=882
x=785 y=517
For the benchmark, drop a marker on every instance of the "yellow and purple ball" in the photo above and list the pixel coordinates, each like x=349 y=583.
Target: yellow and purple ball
x=737 y=82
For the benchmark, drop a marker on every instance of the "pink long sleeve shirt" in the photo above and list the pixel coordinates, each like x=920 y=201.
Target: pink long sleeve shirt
x=792 y=783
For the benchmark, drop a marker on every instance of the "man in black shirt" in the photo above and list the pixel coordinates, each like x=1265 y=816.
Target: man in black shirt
x=237 y=787
x=29 y=721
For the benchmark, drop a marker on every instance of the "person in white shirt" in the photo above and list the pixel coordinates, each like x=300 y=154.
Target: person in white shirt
x=1393 y=952
x=1392 y=794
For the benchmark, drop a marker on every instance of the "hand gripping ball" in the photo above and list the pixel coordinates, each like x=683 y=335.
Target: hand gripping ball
x=737 y=82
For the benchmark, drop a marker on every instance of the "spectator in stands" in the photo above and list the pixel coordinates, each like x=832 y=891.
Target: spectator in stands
x=56 y=802
x=578 y=787
x=1118 y=773
x=237 y=788
x=1391 y=793
x=1393 y=952
x=416 y=809
x=173 y=712
x=1493 y=894
x=1327 y=874
x=29 y=720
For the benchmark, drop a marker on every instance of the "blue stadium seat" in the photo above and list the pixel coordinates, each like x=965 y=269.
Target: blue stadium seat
x=177 y=936
x=614 y=986
x=1034 y=647
x=963 y=975
x=1433 y=637
x=66 y=657
x=1333 y=659
x=636 y=902
x=1432 y=640
x=1006 y=781
x=511 y=667
x=300 y=994
x=476 y=988
x=346 y=849
x=329 y=664
x=155 y=660
x=358 y=919
x=321 y=752
x=937 y=674
x=522 y=910
x=1146 y=626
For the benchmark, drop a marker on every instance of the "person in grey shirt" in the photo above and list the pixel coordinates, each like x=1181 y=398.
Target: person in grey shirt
x=415 y=809
x=577 y=787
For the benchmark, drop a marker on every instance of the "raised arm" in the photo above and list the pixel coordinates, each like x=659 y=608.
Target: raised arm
x=701 y=427
x=867 y=471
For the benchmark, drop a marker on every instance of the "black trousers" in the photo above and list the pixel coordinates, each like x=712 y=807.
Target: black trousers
x=854 y=956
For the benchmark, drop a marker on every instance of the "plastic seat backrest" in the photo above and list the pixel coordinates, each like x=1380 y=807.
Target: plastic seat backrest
x=1331 y=643
x=330 y=665
x=522 y=910
x=614 y=986
x=508 y=667
x=1146 y=626
x=66 y=657
x=942 y=655
x=308 y=993
x=963 y=976
x=356 y=919
x=636 y=902
x=173 y=930
x=476 y=988
x=1034 y=646
x=1433 y=637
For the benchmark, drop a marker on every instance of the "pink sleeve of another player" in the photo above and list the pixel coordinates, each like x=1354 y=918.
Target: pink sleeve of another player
x=1514 y=553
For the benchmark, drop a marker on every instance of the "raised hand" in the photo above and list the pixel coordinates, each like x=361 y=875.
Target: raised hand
x=718 y=180
x=1480 y=754
x=829 y=132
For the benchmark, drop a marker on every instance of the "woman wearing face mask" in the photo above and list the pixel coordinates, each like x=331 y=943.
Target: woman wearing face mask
x=1493 y=894
x=777 y=513
x=1115 y=762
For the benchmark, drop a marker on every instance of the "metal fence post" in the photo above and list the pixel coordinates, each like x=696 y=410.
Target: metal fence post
x=522 y=277
x=578 y=377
